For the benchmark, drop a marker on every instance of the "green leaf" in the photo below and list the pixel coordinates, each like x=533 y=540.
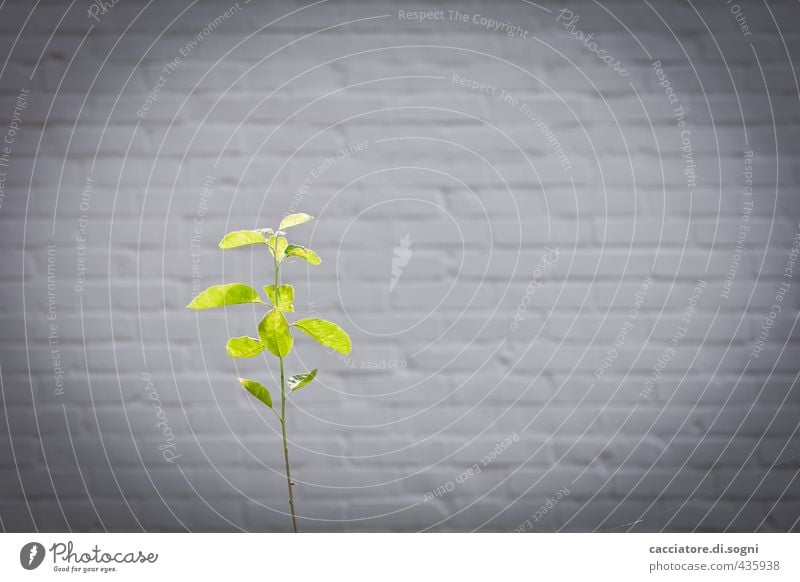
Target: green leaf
x=274 y=332
x=242 y=238
x=294 y=220
x=277 y=246
x=303 y=253
x=284 y=298
x=221 y=295
x=328 y=334
x=299 y=380
x=257 y=390
x=244 y=347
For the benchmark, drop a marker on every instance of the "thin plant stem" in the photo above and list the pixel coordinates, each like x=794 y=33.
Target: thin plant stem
x=289 y=483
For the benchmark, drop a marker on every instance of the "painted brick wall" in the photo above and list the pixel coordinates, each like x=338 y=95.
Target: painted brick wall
x=561 y=235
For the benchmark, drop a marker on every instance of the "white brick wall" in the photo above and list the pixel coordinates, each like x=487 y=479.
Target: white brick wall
x=261 y=102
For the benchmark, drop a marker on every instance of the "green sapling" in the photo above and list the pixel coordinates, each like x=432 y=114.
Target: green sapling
x=274 y=331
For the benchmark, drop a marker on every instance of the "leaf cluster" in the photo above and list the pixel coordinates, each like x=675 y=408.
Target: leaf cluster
x=274 y=329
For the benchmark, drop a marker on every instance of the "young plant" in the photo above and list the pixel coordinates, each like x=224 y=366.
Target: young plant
x=274 y=331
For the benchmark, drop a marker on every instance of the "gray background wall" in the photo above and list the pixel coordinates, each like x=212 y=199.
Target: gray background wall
x=536 y=215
